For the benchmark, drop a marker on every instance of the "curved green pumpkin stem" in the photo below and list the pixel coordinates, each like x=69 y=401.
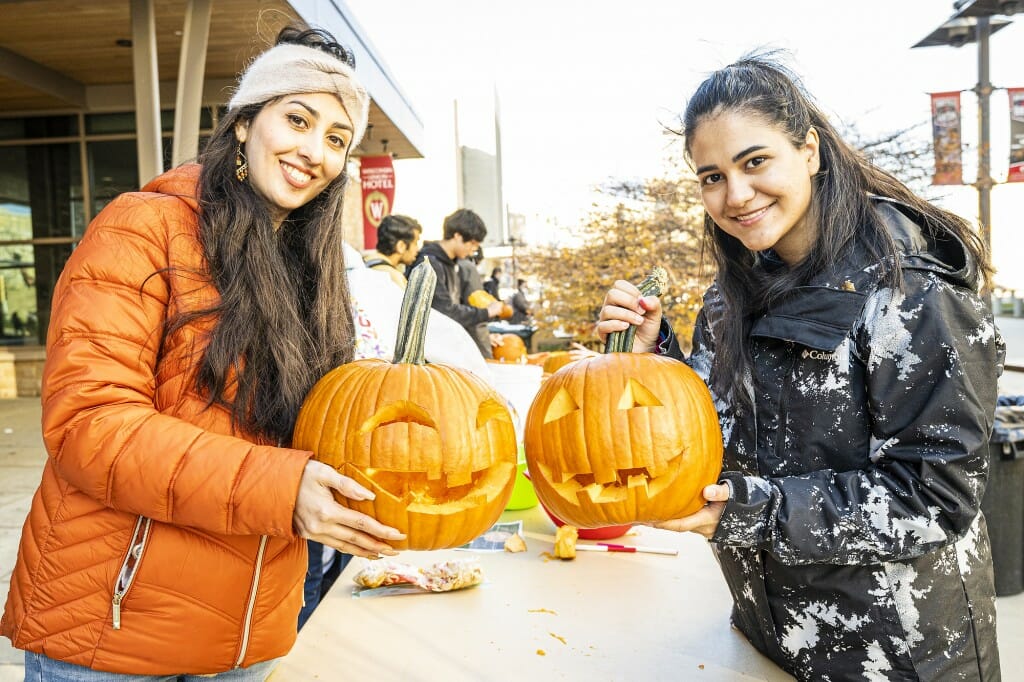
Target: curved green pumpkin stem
x=412 y=322
x=652 y=285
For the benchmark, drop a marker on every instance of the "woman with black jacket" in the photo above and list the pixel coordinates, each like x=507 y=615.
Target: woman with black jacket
x=854 y=368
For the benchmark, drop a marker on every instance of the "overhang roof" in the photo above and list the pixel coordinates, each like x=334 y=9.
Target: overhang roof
x=64 y=55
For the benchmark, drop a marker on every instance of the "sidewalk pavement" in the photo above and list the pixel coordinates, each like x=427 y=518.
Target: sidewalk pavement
x=21 y=462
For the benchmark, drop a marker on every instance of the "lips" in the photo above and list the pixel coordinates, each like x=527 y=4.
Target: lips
x=295 y=176
x=747 y=218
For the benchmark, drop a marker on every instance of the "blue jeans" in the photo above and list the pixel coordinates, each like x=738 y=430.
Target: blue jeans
x=40 y=668
x=319 y=581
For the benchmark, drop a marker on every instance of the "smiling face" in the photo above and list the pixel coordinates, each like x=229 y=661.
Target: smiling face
x=296 y=146
x=755 y=184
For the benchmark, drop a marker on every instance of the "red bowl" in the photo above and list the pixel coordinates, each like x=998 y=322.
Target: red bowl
x=603 y=533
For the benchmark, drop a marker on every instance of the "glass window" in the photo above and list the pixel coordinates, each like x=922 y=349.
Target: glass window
x=28 y=275
x=12 y=128
x=113 y=169
x=101 y=124
x=40 y=192
x=19 y=318
x=38 y=126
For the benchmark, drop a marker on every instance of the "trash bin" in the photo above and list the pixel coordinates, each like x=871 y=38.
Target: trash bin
x=1003 y=504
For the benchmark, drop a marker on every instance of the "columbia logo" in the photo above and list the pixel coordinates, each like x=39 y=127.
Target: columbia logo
x=817 y=355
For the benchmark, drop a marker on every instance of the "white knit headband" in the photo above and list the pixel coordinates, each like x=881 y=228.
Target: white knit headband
x=289 y=69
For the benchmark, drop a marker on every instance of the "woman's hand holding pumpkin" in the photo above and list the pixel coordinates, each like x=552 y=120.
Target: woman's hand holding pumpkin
x=705 y=521
x=623 y=306
x=319 y=517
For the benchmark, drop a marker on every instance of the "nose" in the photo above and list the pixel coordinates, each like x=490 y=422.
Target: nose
x=312 y=150
x=740 y=191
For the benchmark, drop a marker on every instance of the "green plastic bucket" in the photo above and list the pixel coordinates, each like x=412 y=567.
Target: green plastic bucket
x=523 y=496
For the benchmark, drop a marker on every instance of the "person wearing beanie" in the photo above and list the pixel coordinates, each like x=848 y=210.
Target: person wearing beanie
x=167 y=539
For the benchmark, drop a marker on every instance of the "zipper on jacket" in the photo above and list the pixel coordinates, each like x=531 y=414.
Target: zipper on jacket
x=130 y=566
x=787 y=382
x=247 y=625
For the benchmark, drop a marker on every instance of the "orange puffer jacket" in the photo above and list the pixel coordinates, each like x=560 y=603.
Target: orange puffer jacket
x=157 y=542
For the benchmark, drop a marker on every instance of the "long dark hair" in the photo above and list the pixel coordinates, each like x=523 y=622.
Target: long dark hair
x=759 y=86
x=284 y=317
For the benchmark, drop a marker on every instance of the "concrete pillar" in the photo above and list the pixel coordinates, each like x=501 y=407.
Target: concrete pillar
x=147 y=90
x=191 y=75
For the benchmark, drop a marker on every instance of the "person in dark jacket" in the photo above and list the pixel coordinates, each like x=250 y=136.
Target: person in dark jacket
x=470 y=281
x=493 y=285
x=463 y=232
x=854 y=368
x=522 y=312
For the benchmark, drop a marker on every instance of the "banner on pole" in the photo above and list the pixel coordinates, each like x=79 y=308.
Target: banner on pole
x=946 y=136
x=377 y=175
x=1016 y=135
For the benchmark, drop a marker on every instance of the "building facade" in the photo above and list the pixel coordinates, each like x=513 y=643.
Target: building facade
x=98 y=98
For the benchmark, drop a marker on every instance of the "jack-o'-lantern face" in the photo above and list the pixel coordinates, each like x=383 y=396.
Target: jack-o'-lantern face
x=433 y=443
x=623 y=438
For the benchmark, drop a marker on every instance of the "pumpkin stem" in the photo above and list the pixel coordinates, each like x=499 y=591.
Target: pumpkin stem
x=652 y=285
x=412 y=322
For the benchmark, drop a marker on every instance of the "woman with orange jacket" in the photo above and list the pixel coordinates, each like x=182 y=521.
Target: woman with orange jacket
x=166 y=538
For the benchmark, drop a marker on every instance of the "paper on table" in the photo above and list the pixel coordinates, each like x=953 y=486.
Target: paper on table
x=493 y=540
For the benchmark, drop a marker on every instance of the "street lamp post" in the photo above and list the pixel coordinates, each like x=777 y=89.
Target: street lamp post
x=984 y=90
x=981 y=16
x=513 y=242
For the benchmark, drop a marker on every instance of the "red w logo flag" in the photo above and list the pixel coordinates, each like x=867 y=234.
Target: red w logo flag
x=377 y=176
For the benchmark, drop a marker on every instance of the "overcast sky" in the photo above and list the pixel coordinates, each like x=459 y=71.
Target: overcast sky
x=586 y=87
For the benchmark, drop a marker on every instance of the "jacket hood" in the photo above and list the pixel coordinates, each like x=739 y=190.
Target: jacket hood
x=820 y=314
x=923 y=248
x=181 y=182
x=435 y=250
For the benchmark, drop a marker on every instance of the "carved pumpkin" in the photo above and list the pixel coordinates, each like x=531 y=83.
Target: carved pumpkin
x=482 y=299
x=621 y=438
x=512 y=349
x=435 y=444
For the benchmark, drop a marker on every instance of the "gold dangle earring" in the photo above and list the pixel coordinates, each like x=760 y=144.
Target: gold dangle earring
x=241 y=164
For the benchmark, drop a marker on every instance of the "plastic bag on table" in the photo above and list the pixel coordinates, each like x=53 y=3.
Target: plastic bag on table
x=444 y=576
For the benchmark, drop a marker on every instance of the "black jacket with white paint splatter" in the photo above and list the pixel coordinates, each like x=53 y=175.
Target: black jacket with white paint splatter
x=852 y=543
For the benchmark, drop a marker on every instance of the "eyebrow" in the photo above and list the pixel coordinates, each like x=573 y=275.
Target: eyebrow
x=735 y=158
x=316 y=114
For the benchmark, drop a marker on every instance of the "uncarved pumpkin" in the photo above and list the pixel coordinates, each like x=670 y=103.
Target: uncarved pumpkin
x=482 y=299
x=434 y=443
x=512 y=349
x=622 y=438
x=557 y=360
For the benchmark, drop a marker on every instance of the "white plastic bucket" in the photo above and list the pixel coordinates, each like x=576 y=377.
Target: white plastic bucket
x=518 y=383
